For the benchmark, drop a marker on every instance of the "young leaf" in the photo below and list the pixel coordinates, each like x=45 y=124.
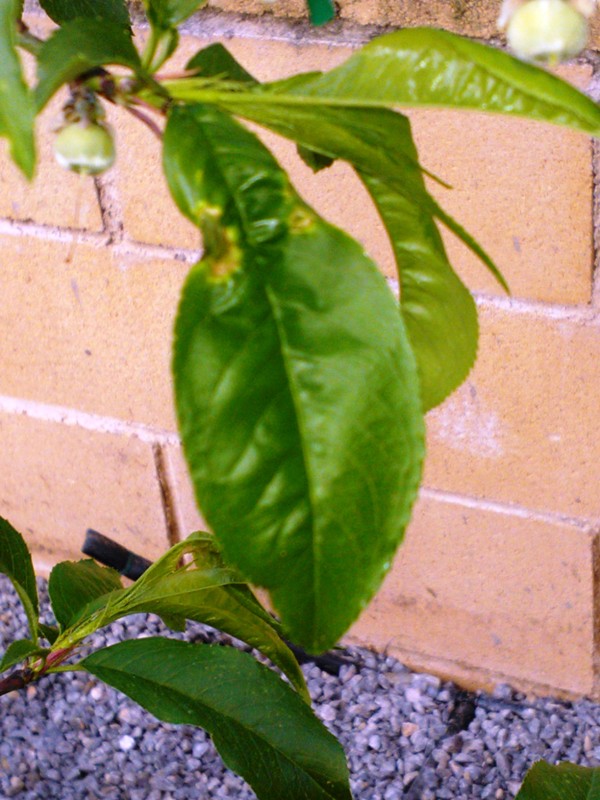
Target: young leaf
x=15 y=562
x=16 y=105
x=321 y=11
x=261 y=728
x=203 y=590
x=296 y=387
x=438 y=310
x=560 y=782
x=74 y=584
x=62 y=11
x=431 y=67
x=166 y=14
x=78 y=46
x=49 y=632
x=215 y=61
x=20 y=650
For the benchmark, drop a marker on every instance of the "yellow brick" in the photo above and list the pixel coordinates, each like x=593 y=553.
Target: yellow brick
x=92 y=334
x=187 y=517
x=523 y=428
x=58 y=480
x=487 y=597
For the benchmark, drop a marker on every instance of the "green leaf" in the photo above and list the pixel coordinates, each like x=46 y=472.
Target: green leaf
x=202 y=589
x=321 y=11
x=376 y=141
x=215 y=61
x=560 y=782
x=296 y=388
x=20 y=650
x=430 y=67
x=49 y=632
x=62 y=11
x=261 y=728
x=74 y=584
x=15 y=562
x=16 y=105
x=79 y=46
x=170 y=13
x=438 y=310
x=316 y=161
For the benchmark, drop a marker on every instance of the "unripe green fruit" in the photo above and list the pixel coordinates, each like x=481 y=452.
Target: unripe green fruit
x=547 y=31
x=85 y=147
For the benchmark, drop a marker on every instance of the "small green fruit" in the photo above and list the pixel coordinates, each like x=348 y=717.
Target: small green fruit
x=547 y=31
x=85 y=147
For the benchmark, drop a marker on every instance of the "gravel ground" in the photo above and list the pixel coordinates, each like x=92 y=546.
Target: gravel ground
x=406 y=735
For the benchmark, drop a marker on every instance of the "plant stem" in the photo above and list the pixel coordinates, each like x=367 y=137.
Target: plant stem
x=27 y=40
x=15 y=681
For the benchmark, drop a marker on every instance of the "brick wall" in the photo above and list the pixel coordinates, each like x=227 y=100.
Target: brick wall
x=497 y=579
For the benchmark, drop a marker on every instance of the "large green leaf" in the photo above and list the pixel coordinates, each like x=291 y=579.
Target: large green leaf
x=170 y=13
x=296 y=388
x=423 y=67
x=62 y=11
x=16 y=105
x=560 y=782
x=74 y=584
x=15 y=562
x=262 y=729
x=439 y=312
x=200 y=588
x=79 y=46
x=429 y=67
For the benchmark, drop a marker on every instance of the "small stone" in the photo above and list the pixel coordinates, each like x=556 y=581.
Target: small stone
x=413 y=695
x=408 y=728
x=328 y=713
x=126 y=743
x=96 y=693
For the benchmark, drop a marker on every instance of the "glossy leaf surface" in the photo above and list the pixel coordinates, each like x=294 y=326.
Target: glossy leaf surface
x=18 y=651
x=202 y=589
x=64 y=10
x=170 y=13
x=438 y=310
x=296 y=387
x=560 y=782
x=431 y=67
x=261 y=728
x=15 y=563
x=74 y=584
x=78 y=46
x=16 y=105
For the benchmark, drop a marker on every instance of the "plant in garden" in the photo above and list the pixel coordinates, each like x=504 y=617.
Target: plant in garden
x=300 y=381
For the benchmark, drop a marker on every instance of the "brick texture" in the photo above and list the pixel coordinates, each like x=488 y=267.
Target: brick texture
x=92 y=333
x=473 y=587
x=58 y=480
x=523 y=428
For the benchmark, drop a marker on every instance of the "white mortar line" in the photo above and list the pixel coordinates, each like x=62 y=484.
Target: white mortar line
x=536 y=308
x=82 y=419
x=509 y=509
